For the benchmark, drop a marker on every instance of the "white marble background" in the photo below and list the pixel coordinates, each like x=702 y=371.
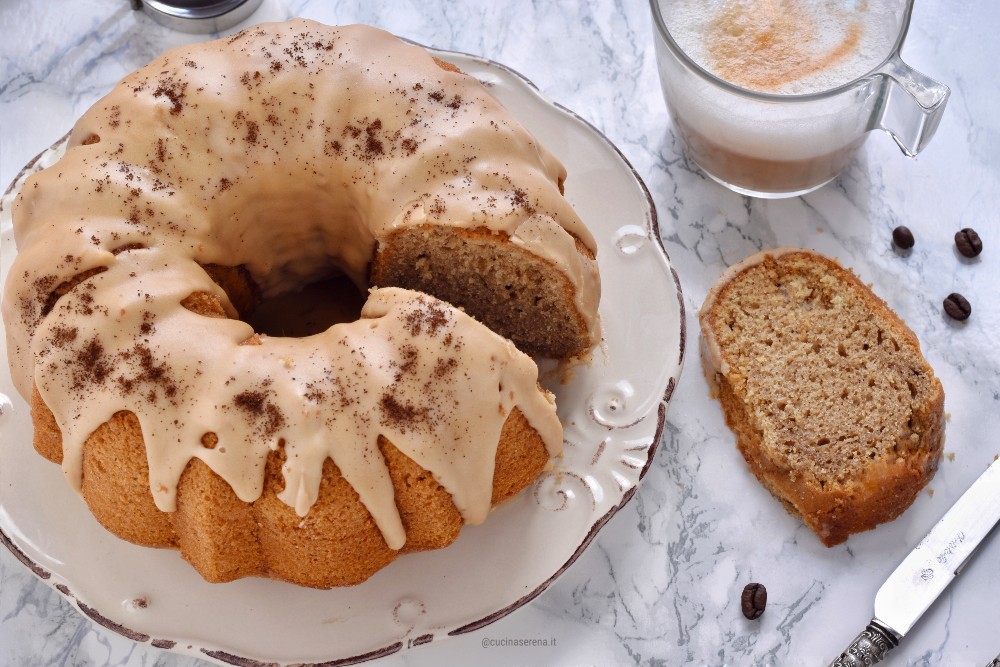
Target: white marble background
x=661 y=584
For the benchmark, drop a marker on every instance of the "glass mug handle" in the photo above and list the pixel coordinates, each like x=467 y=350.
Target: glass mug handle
x=911 y=105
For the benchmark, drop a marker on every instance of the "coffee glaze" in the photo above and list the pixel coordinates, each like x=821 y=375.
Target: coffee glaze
x=288 y=148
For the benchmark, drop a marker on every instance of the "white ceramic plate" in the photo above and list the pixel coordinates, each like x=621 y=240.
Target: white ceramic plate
x=613 y=411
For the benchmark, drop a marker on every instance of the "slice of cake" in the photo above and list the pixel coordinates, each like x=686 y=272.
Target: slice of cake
x=833 y=405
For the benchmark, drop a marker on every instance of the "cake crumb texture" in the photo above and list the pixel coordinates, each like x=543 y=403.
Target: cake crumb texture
x=833 y=405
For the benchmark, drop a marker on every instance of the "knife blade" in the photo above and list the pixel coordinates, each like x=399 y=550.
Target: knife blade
x=927 y=570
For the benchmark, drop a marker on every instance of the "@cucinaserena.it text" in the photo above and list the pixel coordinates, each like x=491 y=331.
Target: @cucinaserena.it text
x=491 y=642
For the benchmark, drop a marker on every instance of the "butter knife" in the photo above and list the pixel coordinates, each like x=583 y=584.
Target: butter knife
x=918 y=581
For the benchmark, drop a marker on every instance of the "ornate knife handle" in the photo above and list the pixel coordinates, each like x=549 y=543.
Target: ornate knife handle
x=868 y=648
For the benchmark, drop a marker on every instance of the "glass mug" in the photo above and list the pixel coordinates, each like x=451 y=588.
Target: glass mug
x=783 y=145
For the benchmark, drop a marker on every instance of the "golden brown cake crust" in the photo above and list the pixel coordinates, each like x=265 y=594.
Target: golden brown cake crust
x=336 y=544
x=834 y=407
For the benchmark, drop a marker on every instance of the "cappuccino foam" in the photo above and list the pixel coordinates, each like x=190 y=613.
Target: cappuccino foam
x=784 y=46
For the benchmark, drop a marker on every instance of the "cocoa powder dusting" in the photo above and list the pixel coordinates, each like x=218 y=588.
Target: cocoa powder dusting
x=32 y=310
x=432 y=317
x=252 y=131
x=138 y=370
x=144 y=374
x=373 y=146
x=251 y=401
x=174 y=91
x=408 y=361
x=399 y=415
x=63 y=335
x=90 y=365
x=313 y=394
x=520 y=200
x=437 y=208
x=439 y=96
x=49 y=297
x=260 y=411
x=445 y=367
x=127 y=247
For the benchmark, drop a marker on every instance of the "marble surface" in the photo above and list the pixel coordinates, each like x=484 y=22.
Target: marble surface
x=661 y=583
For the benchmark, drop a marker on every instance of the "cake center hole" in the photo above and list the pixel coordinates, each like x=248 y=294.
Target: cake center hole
x=310 y=310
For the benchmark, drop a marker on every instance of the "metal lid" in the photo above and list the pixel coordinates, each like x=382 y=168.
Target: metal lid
x=198 y=16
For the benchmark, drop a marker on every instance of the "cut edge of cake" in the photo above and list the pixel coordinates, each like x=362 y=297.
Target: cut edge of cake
x=844 y=431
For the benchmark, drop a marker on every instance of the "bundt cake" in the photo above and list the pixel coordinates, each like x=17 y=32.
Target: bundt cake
x=834 y=407
x=230 y=171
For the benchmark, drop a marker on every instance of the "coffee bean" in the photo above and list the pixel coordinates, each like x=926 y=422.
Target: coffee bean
x=968 y=242
x=957 y=307
x=902 y=237
x=753 y=600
